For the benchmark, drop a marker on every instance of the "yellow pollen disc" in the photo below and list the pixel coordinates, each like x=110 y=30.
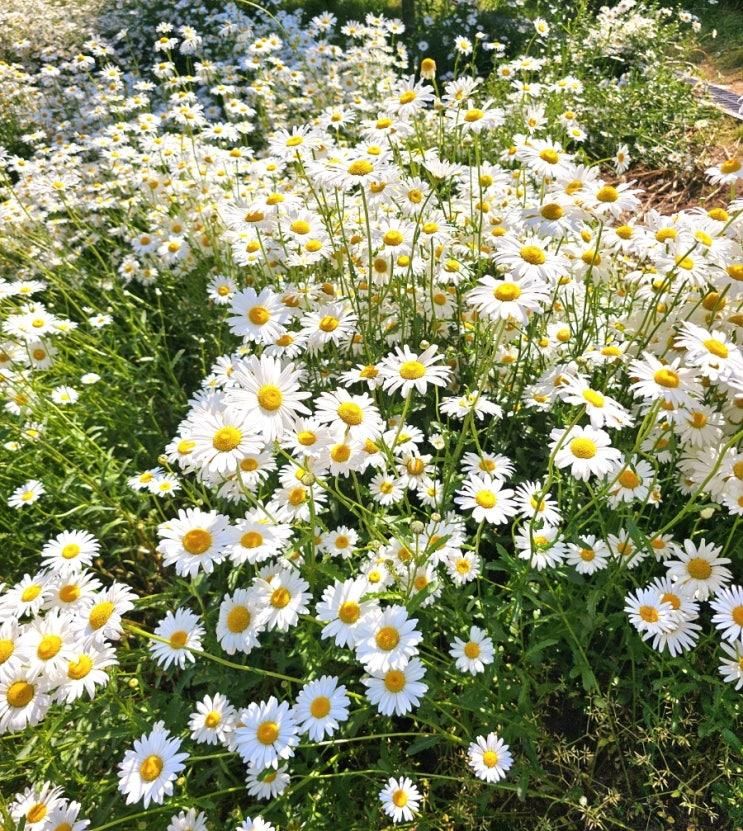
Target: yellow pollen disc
x=249 y=464
x=587 y=554
x=226 y=439
x=472 y=650
x=238 y=619
x=30 y=593
x=738 y=470
x=350 y=413
x=463 y=566
x=608 y=193
x=268 y=732
x=649 y=614
x=699 y=568
x=259 y=315
x=297 y=496
x=383 y=123
x=533 y=255
x=340 y=453
x=349 y=612
x=37 y=812
x=294 y=141
x=486 y=499
x=300 y=226
x=698 y=420
x=415 y=467
x=720 y=214
x=583 y=448
x=270 y=397
x=329 y=323
x=100 y=613
x=552 y=211
x=594 y=397
x=306 y=438
x=7 y=648
x=369 y=371
x=223 y=291
x=666 y=377
x=70 y=551
x=212 y=719
x=664 y=234
x=387 y=638
x=629 y=479
x=178 y=639
x=716 y=347
x=320 y=706
x=39 y=354
x=386 y=487
x=20 y=693
x=394 y=680
x=490 y=758
x=730 y=166
x=407 y=96
x=342 y=541
x=474 y=114
x=507 y=292
x=151 y=768
x=361 y=167
x=275 y=198
x=37 y=323
x=400 y=798
x=549 y=155
x=392 y=237
x=735 y=271
x=251 y=539
x=80 y=668
x=624 y=232
x=412 y=370
x=280 y=598
x=48 y=647
x=185 y=446
x=196 y=541
x=737 y=615
x=673 y=599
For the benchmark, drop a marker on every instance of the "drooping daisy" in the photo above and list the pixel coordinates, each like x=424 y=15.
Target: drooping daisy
x=400 y=799
x=268 y=733
x=699 y=568
x=321 y=706
x=490 y=757
x=148 y=771
x=405 y=370
x=267 y=783
x=183 y=632
x=35 y=805
x=473 y=654
x=396 y=691
x=190 y=820
x=585 y=450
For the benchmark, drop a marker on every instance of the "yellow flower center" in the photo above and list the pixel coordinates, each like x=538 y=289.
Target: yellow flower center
x=178 y=639
x=474 y=114
x=360 y=167
x=507 y=292
x=20 y=693
x=594 y=397
x=392 y=237
x=664 y=234
x=533 y=255
x=226 y=439
x=608 y=193
x=666 y=377
x=340 y=453
x=151 y=767
x=587 y=554
x=490 y=758
x=387 y=638
x=716 y=347
x=394 y=680
x=486 y=499
x=48 y=647
x=349 y=612
x=407 y=96
x=629 y=479
x=30 y=593
x=329 y=323
x=238 y=619
x=80 y=668
x=197 y=541
x=350 y=413
x=472 y=650
x=583 y=448
x=251 y=539
x=737 y=615
x=297 y=496
x=268 y=732
x=735 y=271
x=699 y=568
x=280 y=597
x=400 y=798
x=259 y=315
x=552 y=211
x=549 y=155
x=300 y=226
x=100 y=614
x=249 y=465
x=36 y=813
x=320 y=706
x=730 y=166
x=270 y=397
x=7 y=648
x=412 y=370
x=212 y=719
x=649 y=614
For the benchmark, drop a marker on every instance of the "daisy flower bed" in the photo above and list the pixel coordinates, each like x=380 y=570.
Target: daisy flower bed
x=370 y=457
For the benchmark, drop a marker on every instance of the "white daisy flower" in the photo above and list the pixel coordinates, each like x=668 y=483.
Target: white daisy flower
x=149 y=770
x=490 y=757
x=320 y=707
x=268 y=733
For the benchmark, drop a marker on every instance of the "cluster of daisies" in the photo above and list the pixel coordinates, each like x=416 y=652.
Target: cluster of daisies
x=58 y=628
x=449 y=332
